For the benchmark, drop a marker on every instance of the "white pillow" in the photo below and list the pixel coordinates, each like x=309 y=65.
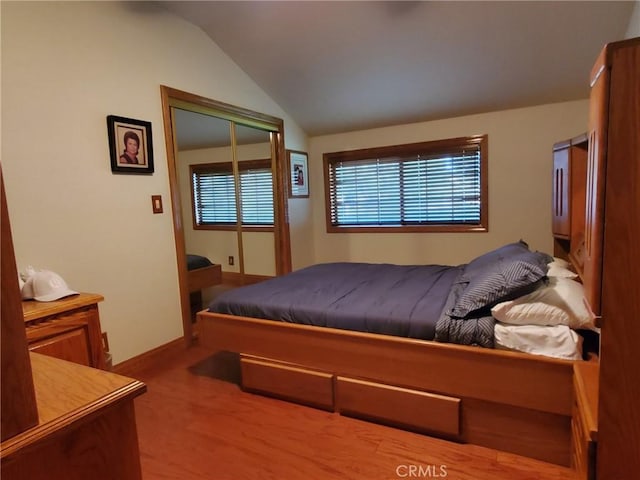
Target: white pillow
x=556 y=270
x=560 y=262
x=560 y=268
x=560 y=302
x=557 y=341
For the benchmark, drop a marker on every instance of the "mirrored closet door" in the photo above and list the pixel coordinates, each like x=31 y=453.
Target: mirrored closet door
x=257 y=241
x=228 y=199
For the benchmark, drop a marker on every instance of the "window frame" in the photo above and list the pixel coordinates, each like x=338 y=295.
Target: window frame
x=227 y=167
x=405 y=150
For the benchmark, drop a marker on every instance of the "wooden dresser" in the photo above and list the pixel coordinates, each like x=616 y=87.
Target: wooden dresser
x=86 y=426
x=68 y=329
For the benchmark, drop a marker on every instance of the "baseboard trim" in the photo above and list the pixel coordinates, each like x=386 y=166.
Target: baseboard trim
x=135 y=365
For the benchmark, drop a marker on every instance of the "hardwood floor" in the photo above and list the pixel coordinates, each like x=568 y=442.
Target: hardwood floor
x=195 y=423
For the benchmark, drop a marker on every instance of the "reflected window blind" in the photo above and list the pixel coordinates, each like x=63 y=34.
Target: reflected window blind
x=214 y=197
x=417 y=189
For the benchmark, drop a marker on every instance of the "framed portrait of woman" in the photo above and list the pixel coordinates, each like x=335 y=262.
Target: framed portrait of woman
x=130 y=145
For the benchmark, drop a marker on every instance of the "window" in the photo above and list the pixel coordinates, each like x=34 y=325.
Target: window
x=214 y=198
x=438 y=186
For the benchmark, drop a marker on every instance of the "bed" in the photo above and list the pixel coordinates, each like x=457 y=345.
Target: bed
x=201 y=274
x=335 y=347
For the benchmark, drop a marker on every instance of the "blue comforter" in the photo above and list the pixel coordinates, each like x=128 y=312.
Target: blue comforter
x=400 y=300
x=445 y=303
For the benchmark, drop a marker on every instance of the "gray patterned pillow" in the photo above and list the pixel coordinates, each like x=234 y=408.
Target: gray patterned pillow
x=479 y=264
x=505 y=279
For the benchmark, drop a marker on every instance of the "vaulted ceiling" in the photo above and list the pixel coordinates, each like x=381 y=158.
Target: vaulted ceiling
x=338 y=66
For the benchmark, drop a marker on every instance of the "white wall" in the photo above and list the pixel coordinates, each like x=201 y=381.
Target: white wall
x=65 y=67
x=301 y=227
x=520 y=165
x=634 y=22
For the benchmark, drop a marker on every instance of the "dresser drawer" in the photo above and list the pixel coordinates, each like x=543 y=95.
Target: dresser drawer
x=68 y=329
x=72 y=346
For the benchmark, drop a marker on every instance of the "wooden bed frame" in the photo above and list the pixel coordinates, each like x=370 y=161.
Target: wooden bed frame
x=204 y=277
x=509 y=401
x=197 y=279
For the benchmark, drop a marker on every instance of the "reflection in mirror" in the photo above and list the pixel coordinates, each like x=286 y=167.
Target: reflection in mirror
x=208 y=195
x=206 y=186
x=256 y=180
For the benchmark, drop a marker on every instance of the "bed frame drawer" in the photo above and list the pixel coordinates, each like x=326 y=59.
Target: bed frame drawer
x=399 y=406
x=287 y=381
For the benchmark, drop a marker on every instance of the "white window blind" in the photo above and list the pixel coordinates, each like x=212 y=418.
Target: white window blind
x=214 y=198
x=415 y=187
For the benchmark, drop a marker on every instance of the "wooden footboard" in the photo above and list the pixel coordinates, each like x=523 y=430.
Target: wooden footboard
x=204 y=277
x=504 y=400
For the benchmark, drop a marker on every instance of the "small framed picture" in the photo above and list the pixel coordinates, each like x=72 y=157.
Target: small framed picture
x=298 y=174
x=130 y=145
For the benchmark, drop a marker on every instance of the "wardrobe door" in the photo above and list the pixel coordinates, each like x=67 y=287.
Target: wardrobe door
x=577 y=200
x=561 y=220
x=254 y=154
x=597 y=157
x=618 y=453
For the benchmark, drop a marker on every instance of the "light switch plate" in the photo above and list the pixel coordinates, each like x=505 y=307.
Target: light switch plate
x=156 y=201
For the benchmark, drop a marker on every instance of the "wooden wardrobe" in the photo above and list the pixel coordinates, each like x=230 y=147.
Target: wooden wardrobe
x=612 y=253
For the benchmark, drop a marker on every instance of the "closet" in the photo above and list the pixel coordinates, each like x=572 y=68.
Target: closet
x=228 y=199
